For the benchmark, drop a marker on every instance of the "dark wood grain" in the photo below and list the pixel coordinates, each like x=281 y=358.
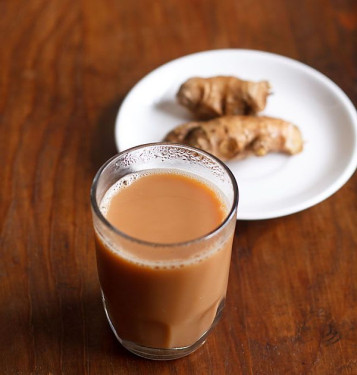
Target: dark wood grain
x=65 y=67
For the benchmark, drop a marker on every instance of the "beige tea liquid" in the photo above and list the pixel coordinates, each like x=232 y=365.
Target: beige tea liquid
x=168 y=296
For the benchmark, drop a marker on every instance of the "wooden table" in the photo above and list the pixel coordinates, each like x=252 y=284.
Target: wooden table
x=65 y=67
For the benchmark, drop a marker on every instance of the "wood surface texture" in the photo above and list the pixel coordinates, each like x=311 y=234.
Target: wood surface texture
x=65 y=67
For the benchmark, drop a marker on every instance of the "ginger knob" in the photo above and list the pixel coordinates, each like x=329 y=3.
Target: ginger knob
x=212 y=97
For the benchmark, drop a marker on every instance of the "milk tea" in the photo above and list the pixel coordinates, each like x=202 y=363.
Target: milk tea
x=168 y=296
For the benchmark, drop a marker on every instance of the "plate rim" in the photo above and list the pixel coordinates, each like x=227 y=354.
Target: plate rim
x=346 y=172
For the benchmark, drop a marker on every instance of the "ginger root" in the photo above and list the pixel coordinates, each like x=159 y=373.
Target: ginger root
x=235 y=137
x=212 y=97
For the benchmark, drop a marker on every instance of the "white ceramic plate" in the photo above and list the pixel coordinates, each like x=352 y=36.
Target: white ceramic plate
x=274 y=185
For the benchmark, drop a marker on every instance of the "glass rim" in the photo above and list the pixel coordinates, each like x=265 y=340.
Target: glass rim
x=206 y=236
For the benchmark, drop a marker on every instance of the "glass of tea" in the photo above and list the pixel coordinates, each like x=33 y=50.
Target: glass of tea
x=164 y=217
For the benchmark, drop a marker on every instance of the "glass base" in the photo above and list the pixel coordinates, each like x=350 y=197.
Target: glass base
x=163 y=354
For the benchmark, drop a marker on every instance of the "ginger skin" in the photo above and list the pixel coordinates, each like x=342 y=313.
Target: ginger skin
x=212 y=97
x=235 y=137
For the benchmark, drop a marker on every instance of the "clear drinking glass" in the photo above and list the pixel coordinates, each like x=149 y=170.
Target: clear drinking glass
x=163 y=308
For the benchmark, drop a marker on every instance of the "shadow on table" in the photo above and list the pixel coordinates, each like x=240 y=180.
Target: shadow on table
x=68 y=331
x=103 y=142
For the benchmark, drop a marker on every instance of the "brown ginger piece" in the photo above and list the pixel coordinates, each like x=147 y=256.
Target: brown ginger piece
x=217 y=96
x=232 y=137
